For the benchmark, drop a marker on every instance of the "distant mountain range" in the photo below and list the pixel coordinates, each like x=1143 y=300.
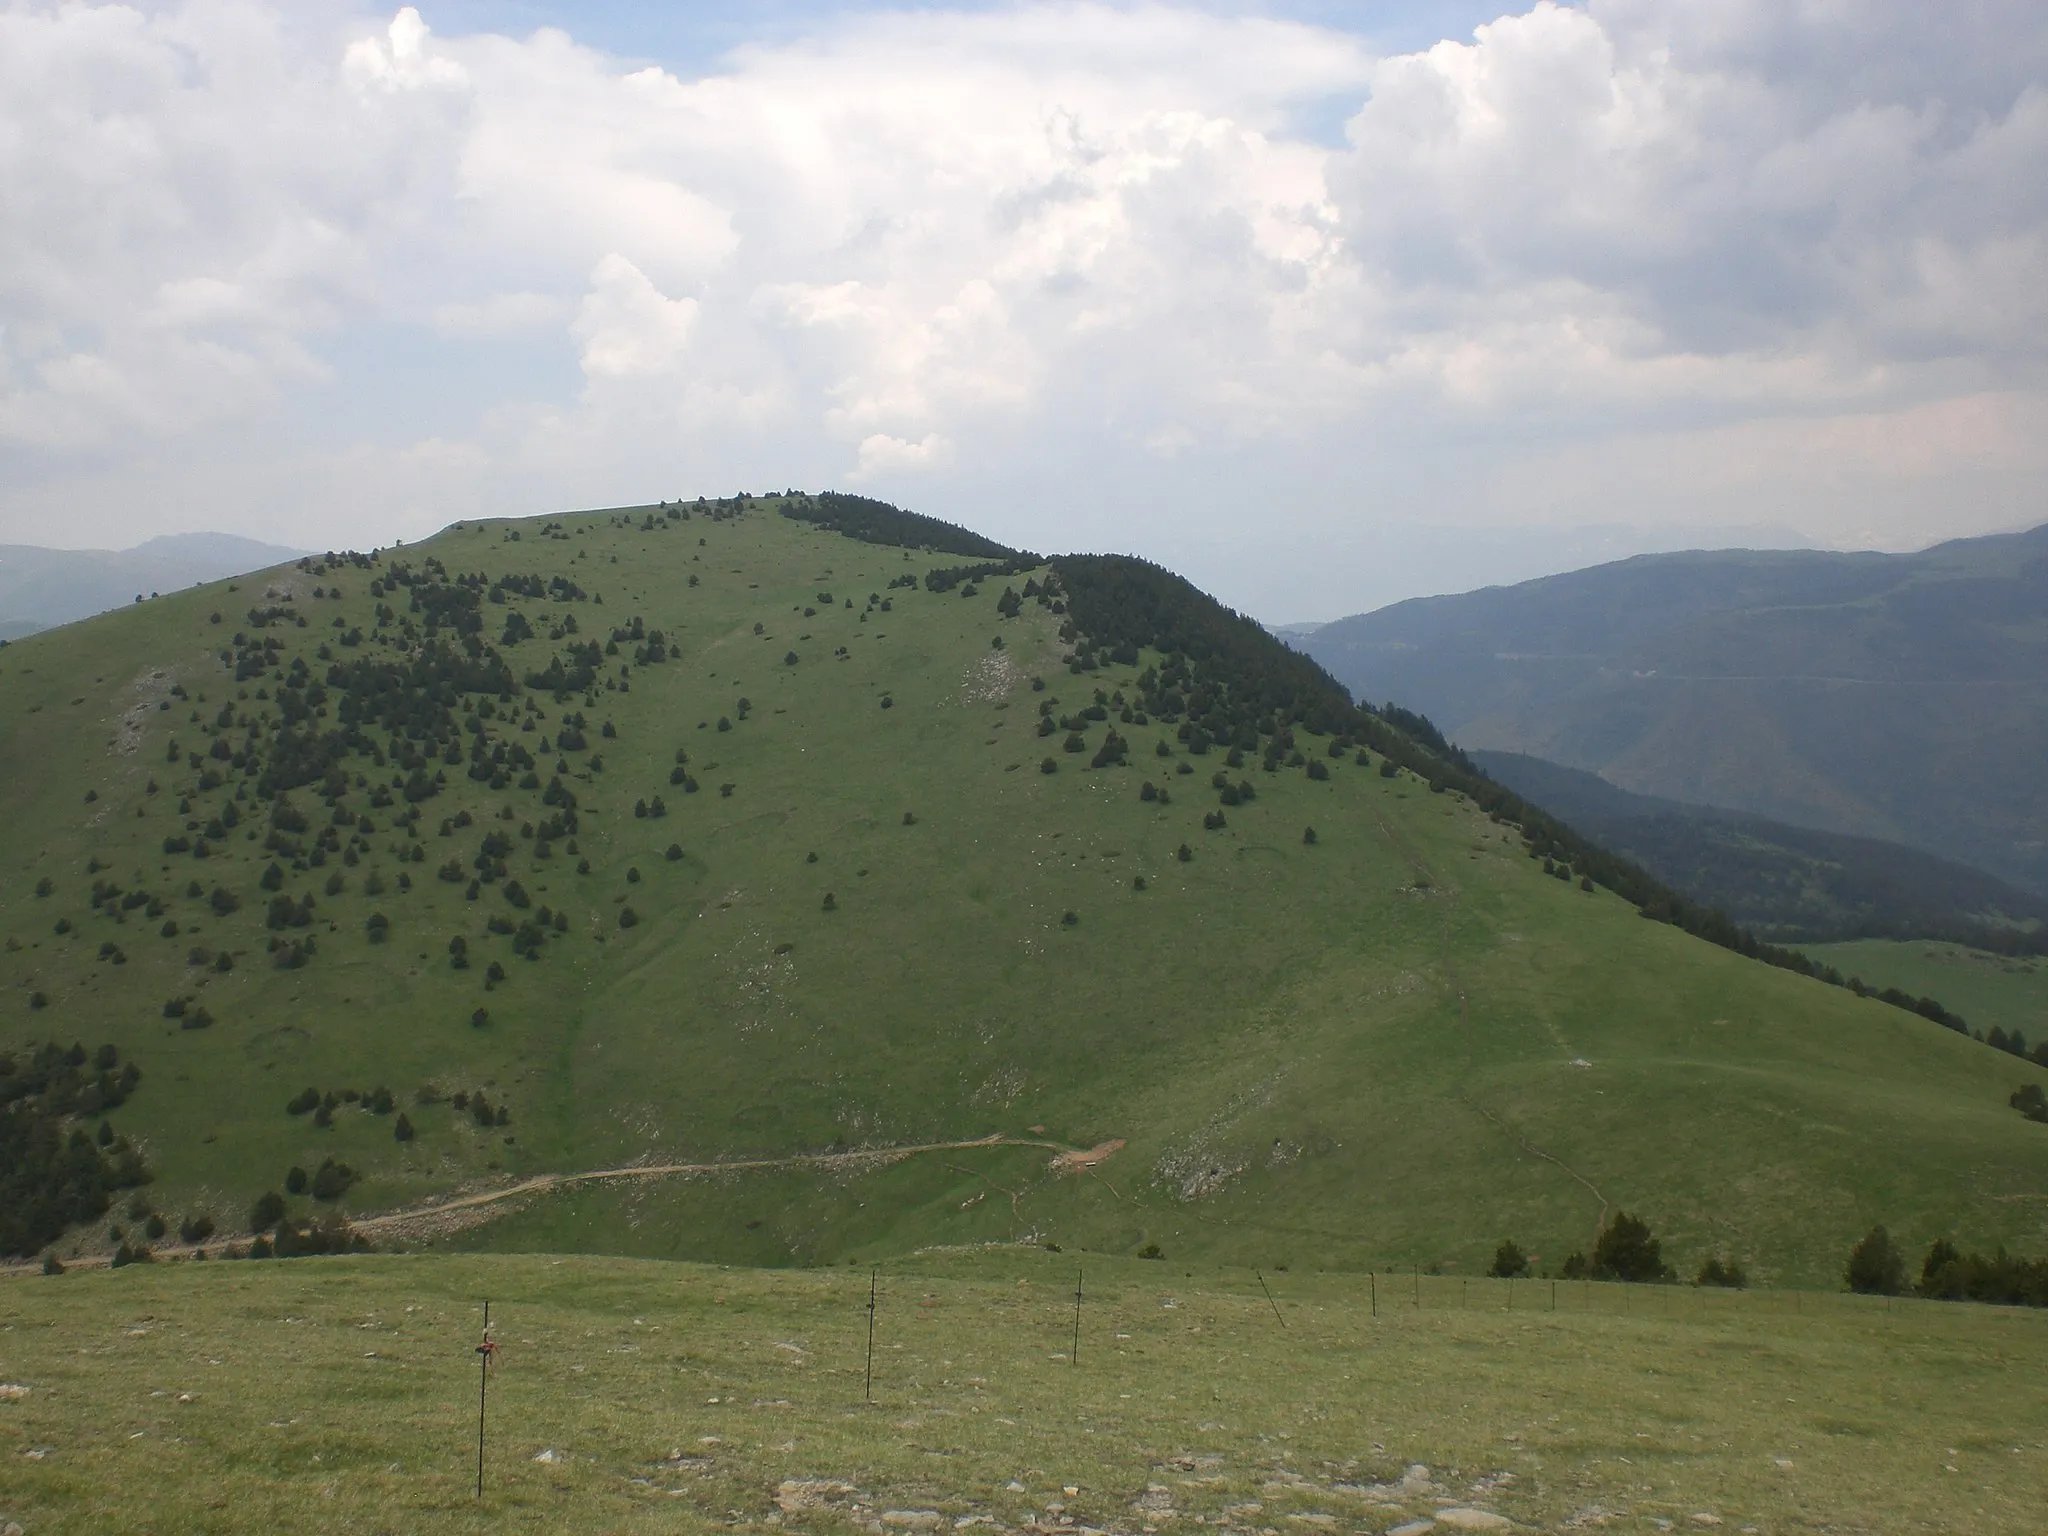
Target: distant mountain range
x=42 y=588
x=1898 y=697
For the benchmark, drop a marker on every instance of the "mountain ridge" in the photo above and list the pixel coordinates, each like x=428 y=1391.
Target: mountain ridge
x=41 y=588
x=1773 y=683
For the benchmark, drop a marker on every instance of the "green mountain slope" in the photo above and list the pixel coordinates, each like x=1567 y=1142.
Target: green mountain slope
x=1902 y=697
x=2007 y=993
x=858 y=914
x=1785 y=883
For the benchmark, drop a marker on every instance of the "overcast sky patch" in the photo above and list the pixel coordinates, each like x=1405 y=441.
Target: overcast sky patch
x=1293 y=298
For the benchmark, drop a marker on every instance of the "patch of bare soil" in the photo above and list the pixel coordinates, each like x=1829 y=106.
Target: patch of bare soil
x=1080 y=1162
x=151 y=689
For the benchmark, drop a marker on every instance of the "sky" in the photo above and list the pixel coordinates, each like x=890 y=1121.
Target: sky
x=1322 y=304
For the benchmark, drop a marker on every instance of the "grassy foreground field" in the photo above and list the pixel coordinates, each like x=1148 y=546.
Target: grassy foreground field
x=340 y=1395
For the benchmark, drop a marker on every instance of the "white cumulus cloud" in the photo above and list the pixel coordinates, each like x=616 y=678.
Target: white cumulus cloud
x=400 y=60
x=628 y=327
x=1068 y=271
x=881 y=454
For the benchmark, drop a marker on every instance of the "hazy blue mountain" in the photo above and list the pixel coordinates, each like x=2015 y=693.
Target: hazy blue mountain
x=1785 y=883
x=1901 y=697
x=40 y=588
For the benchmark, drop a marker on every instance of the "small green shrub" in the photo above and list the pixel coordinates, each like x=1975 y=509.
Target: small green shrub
x=267 y=1212
x=1876 y=1267
x=332 y=1180
x=1509 y=1261
x=1627 y=1250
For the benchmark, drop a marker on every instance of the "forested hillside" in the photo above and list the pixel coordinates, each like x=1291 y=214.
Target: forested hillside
x=1785 y=883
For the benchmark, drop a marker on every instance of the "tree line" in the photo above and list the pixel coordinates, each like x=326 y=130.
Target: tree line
x=54 y=1173
x=1628 y=1251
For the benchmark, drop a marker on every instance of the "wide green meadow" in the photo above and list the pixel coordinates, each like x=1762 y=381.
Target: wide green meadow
x=342 y=1395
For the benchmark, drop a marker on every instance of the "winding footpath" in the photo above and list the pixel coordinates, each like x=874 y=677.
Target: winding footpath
x=449 y=1214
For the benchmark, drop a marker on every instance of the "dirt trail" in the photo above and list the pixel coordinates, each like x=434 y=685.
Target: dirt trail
x=450 y=1215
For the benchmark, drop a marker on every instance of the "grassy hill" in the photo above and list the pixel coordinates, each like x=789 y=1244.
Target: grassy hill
x=1784 y=883
x=858 y=914
x=1900 y=697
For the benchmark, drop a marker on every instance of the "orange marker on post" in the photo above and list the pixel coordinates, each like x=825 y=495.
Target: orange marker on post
x=484 y=1353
